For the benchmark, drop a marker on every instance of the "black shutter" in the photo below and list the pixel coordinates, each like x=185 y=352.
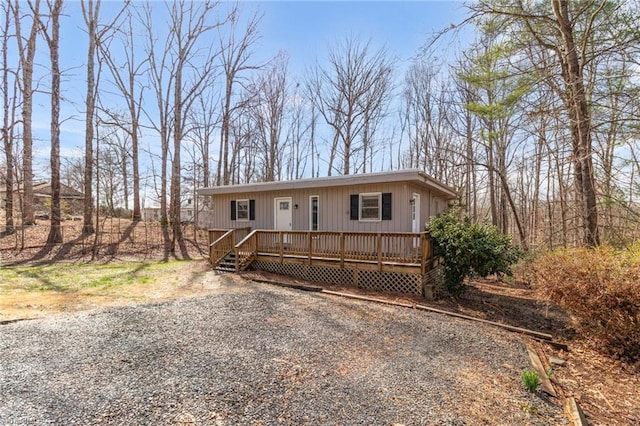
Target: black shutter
x=233 y=210
x=386 y=206
x=252 y=209
x=355 y=201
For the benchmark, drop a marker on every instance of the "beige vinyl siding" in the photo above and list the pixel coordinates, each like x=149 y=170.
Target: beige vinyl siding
x=334 y=208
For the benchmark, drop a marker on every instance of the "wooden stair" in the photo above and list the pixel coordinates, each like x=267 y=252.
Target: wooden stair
x=228 y=264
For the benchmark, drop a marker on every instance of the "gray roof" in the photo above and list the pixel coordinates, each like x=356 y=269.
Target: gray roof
x=410 y=175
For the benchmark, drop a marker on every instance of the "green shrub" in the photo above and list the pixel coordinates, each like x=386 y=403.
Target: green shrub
x=600 y=287
x=469 y=250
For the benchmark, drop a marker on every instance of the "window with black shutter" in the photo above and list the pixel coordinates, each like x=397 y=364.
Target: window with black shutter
x=371 y=206
x=243 y=210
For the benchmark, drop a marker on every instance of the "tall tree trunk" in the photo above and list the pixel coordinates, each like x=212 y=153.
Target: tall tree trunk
x=135 y=163
x=472 y=204
x=7 y=136
x=90 y=15
x=26 y=63
x=125 y=178
x=226 y=118
x=175 y=165
x=55 y=233
x=580 y=126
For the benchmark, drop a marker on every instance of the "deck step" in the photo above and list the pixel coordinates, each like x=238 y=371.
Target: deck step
x=228 y=264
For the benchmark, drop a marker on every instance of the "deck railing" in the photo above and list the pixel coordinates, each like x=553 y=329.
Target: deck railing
x=402 y=249
x=223 y=241
x=387 y=249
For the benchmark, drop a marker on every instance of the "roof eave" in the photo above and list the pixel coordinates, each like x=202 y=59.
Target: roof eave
x=412 y=175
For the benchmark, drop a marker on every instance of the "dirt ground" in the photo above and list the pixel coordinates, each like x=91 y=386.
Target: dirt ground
x=116 y=239
x=606 y=389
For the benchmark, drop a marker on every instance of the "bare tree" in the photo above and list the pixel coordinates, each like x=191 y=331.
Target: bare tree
x=267 y=111
x=300 y=145
x=26 y=56
x=126 y=71
x=348 y=93
x=95 y=35
x=53 y=41
x=189 y=82
x=179 y=77
x=160 y=79
x=90 y=12
x=203 y=122
x=235 y=54
x=7 y=124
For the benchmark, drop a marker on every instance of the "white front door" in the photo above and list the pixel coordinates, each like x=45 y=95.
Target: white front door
x=282 y=214
x=415 y=214
x=416 y=226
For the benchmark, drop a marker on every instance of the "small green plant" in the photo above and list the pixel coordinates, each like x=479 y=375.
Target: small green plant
x=531 y=380
x=549 y=372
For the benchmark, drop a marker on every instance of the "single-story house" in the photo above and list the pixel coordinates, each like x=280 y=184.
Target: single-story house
x=365 y=229
x=397 y=201
x=72 y=200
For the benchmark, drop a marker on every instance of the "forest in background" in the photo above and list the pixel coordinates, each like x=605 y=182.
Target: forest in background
x=535 y=124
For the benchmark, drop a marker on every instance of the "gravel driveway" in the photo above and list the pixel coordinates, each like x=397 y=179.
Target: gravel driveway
x=254 y=354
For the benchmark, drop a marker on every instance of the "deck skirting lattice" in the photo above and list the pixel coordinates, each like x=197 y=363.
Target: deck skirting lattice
x=387 y=281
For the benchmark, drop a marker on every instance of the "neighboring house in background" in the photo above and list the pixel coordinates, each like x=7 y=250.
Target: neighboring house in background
x=398 y=201
x=152 y=214
x=71 y=200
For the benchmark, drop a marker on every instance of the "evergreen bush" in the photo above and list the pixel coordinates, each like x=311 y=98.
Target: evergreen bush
x=470 y=249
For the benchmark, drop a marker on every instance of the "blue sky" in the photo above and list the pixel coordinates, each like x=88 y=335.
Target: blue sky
x=304 y=29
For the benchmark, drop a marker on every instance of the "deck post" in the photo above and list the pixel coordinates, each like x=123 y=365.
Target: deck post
x=342 y=250
x=236 y=258
x=310 y=246
x=379 y=248
x=423 y=253
x=281 y=243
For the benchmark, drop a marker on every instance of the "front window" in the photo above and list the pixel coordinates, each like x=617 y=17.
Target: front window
x=242 y=210
x=370 y=206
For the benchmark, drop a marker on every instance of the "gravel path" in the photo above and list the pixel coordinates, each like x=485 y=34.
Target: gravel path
x=255 y=354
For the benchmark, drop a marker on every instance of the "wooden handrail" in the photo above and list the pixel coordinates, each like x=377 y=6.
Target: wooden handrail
x=224 y=244
x=220 y=248
x=246 y=251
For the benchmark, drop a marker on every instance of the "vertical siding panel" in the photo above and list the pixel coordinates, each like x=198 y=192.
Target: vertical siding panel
x=333 y=208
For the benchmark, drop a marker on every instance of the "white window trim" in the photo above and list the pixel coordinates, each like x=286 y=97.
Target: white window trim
x=370 y=194
x=311 y=197
x=248 y=210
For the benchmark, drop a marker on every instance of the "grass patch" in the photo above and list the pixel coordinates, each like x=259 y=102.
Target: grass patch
x=36 y=291
x=75 y=278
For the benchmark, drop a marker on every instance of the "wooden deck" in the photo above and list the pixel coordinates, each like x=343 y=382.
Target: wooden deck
x=389 y=261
